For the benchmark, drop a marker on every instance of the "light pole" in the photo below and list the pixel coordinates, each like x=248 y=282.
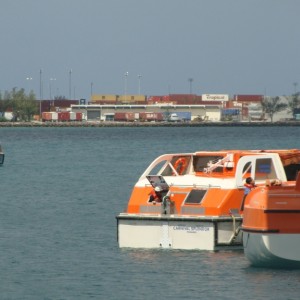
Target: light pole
x=295 y=85
x=125 y=85
x=50 y=86
x=139 y=77
x=70 y=84
x=41 y=92
x=191 y=82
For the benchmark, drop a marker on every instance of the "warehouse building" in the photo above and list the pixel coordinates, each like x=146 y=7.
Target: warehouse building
x=97 y=112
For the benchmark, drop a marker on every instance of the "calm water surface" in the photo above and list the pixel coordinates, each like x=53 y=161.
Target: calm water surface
x=61 y=189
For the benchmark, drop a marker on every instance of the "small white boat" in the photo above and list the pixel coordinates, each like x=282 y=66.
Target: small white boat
x=271 y=225
x=1 y=156
x=201 y=198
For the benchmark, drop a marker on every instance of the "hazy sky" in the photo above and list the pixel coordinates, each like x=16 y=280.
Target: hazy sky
x=226 y=46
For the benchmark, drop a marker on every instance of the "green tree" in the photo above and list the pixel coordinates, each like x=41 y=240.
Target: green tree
x=23 y=106
x=272 y=105
x=27 y=107
x=4 y=104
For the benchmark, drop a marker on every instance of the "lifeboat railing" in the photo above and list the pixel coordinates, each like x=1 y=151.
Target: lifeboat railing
x=212 y=165
x=202 y=186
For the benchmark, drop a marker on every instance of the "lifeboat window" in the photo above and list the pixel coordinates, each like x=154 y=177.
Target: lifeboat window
x=195 y=197
x=161 y=168
x=291 y=171
x=264 y=169
x=247 y=169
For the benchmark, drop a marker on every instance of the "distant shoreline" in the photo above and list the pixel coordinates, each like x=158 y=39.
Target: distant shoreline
x=147 y=124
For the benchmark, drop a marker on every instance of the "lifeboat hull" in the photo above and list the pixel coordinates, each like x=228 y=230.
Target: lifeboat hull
x=188 y=233
x=272 y=250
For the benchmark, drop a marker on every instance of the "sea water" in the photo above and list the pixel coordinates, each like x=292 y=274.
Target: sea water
x=61 y=189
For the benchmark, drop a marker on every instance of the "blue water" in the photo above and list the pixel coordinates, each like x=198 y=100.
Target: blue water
x=61 y=189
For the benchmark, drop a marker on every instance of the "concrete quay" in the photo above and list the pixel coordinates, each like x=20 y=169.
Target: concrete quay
x=147 y=124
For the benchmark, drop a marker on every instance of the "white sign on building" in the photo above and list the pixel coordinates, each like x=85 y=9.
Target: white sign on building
x=215 y=97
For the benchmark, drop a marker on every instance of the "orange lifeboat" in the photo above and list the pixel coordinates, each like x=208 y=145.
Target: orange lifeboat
x=200 y=198
x=271 y=225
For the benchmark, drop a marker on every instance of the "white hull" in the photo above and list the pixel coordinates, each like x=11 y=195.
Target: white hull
x=272 y=249
x=203 y=233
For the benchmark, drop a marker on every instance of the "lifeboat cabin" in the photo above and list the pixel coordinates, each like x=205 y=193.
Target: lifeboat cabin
x=199 y=198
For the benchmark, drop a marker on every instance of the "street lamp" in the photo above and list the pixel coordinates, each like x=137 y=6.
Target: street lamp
x=41 y=91
x=70 y=84
x=50 y=86
x=295 y=86
x=139 y=77
x=191 y=82
x=29 y=80
x=125 y=85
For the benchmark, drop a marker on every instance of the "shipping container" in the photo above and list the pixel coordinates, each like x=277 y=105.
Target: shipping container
x=63 y=116
x=231 y=111
x=185 y=98
x=131 y=99
x=103 y=102
x=54 y=116
x=248 y=98
x=49 y=116
x=151 y=117
x=79 y=116
x=63 y=104
x=140 y=102
x=72 y=116
x=125 y=116
x=219 y=103
x=154 y=99
x=105 y=98
x=231 y=114
x=75 y=116
x=245 y=112
x=184 y=116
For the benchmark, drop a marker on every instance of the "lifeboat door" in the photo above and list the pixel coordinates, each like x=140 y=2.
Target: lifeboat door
x=249 y=166
x=165 y=241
